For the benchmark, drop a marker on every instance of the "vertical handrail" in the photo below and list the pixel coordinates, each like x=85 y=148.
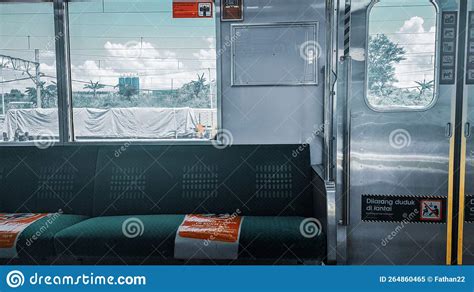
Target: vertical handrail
x=329 y=94
x=347 y=143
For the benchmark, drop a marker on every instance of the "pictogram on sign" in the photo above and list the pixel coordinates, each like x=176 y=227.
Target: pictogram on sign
x=431 y=210
x=192 y=9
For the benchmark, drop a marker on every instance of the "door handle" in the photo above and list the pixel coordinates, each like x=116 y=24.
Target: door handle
x=449 y=132
x=467 y=130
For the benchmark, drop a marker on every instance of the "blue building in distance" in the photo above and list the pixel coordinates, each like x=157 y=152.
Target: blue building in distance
x=130 y=81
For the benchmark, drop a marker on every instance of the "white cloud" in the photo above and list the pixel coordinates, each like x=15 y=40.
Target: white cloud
x=419 y=44
x=207 y=57
x=157 y=68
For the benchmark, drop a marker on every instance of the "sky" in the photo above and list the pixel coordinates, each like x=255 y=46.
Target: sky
x=112 y=38
x=412 y=25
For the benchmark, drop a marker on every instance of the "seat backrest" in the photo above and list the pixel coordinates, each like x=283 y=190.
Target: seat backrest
x=253 y=180
x=134 y=179
x=57 y=179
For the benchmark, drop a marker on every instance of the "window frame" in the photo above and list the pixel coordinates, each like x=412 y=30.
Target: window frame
x=398 y=109
x=64 y=82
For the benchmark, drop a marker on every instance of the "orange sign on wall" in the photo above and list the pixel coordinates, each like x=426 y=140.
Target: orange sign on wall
x=193 y=8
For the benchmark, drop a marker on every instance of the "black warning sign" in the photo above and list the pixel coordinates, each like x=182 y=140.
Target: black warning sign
x=469 y=209
x=383 y=208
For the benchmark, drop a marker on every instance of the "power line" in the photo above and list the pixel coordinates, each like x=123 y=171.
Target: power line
x=117 y=49
x=110 y=37
x=89 y=12
x=402 y=33
x=145 y=58
x=398 y=20
x=164 y=69
x=157 y=25
x=14 y=80
x=402 y=7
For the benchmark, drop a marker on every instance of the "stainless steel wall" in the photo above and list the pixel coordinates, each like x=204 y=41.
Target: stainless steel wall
x=377 y=168
x=274 y=114
x=468 y=244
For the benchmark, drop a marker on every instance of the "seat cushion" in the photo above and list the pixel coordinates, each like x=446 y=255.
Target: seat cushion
x=37 y=240
x=154 y=236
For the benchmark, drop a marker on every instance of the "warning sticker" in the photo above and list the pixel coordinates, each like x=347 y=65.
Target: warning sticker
x=383 y=208
x=192 y=9
x=217 y=228
x=431 y=210
x=469 y=209
x=11 y=226
x=208 y=237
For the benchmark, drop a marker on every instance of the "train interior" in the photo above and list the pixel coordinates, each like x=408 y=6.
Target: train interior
x=242 y=132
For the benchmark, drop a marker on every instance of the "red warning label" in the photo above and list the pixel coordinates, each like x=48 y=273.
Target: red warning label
x=431 y=210
x=192 y=9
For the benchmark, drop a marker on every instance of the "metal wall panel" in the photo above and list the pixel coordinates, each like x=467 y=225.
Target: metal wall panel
x=377 y=168
x=255 y=63
x=274 y=114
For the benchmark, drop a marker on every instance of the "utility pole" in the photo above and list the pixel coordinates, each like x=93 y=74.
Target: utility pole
x=210 y=87
x=26 y=66
x=38 y=79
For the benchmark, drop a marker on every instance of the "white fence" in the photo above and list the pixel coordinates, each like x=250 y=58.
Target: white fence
x=206 y=117
x=141 y=123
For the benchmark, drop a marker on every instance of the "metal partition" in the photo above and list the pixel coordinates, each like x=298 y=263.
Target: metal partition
x=395 y=184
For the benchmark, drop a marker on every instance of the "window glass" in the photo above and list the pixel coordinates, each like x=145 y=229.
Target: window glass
x=139 y=73
x=28 y=106
x=401 y=54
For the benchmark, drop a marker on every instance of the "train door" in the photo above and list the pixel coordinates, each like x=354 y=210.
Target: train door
x=465 y=242
x=400 y=107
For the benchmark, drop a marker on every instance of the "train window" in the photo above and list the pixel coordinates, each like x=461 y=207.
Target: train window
x=401 y=62
x=29 y=99
x=140 y=72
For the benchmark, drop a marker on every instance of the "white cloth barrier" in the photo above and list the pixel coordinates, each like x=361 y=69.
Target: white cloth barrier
x=118 y=123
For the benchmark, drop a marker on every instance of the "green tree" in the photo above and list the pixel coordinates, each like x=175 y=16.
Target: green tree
x=94 y=87
x=49 y=95
x=15 y=95
x=383 y=55
x=31 y=94
x=424 y=86
x=127 y=90
x=193 y=94
x=198 y=85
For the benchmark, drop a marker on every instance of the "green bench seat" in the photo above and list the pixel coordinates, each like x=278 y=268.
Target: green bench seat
x=261 y=238
x=37 y=240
